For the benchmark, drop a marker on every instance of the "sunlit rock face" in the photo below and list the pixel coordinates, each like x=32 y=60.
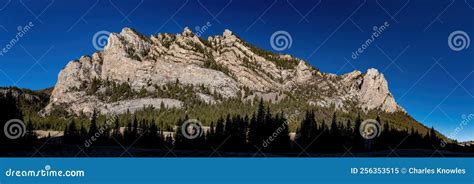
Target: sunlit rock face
x=224 y=65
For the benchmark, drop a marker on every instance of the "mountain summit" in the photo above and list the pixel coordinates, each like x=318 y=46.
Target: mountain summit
x=173 y=70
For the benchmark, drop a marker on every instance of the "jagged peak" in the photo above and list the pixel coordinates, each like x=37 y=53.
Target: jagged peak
x=373 y=71
x=352 y=75
x=85 y=57
x=369 y=90
x=358 y=72
x=227 y=32
x=127 y=30
x=187 y=32
x=131 y=34
x=374 y=74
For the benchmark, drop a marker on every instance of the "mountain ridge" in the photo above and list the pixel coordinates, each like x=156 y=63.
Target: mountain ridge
x=221 y=67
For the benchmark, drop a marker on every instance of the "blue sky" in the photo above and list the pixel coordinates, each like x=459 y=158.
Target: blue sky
x=428 y=78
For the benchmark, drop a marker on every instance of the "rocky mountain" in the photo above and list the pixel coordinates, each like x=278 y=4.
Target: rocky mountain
x=27 y=100
x=17 y=93
x=172 y=70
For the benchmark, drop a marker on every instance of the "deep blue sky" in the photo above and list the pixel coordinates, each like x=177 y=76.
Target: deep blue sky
x=430 y=80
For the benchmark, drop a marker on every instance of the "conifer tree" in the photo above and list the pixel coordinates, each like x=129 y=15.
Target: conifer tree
x=93 y=127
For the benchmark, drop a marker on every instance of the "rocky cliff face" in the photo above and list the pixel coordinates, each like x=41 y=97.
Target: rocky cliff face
x=26 y=100
x=135 y=71
x=18 y=93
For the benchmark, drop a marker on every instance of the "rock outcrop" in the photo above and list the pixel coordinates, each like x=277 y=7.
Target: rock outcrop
x=221 y=67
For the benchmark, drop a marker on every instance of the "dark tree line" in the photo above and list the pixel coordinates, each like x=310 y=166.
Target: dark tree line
x=232 y=133
x=109 y=133
x=10 y=110
x=340 y=137
x=261 y=131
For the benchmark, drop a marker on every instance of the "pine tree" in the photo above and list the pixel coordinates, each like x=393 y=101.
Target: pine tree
x=82 y=131
x=70 y=134
x=116 y=131
x=334 y=135
x=307 y=129
x=93 y=127
x=9 y=109
x=253 y=133
x=334 y=128
x=220 y=132
x=435 y=141
x=358 y=139
x=134 y=130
